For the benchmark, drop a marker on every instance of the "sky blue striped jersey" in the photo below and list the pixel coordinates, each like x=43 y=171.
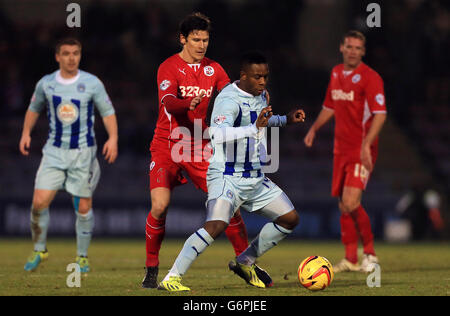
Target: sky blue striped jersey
x=234 y=107
x=70 y=107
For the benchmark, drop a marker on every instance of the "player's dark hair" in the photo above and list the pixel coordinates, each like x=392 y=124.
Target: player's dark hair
x=67 y=41
x=252 y=57
x=354 y=34
x=195 y=21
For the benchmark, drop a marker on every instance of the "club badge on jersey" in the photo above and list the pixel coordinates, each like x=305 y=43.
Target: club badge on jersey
x=67 y=113
x=208 y=70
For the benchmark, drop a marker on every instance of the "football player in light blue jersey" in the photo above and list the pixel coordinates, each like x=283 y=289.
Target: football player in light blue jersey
x=69 y=161
x=240 y=114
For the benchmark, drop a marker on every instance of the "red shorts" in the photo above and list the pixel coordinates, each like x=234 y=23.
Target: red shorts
x=348 y=171
x=166 y=173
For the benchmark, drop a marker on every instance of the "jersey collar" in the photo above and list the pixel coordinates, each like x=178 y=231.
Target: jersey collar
x=65 y=81
x=244 y=93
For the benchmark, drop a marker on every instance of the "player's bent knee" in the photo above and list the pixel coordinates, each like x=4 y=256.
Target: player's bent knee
x=215 y=228
x=289 y=220
x=159 y=210
x=42 y=199
x=40 y=203
x=293 y=219
x=348 y=206
x=85 y=205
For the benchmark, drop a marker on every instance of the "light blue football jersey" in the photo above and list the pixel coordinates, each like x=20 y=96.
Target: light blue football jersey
x=234 y=107
x=70 y=108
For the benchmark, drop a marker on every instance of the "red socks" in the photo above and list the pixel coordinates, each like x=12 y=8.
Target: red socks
x=349 y=237
x=362 y=221
x=354 y=225
x=237 y=234
x=154 y=234
x=155 y=231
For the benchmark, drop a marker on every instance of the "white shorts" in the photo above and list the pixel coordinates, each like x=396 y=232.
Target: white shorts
x=259 y=195
x=75 y=170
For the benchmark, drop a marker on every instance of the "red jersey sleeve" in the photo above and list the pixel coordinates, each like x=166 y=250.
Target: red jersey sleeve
x=375 y=94
x=222 y=78
x=167 y=82
x=168 y=90
x=328 y=102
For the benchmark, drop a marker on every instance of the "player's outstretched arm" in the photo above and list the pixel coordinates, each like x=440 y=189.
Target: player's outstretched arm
x=28 y=125
x=111 y=148
x=324 y=116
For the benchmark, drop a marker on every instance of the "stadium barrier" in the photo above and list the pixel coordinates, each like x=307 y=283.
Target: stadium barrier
x=127 y=219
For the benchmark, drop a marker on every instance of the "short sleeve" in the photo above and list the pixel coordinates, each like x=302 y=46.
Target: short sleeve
x=38 y=100
x=225 y=112
x=167 y=82
x=375 y=94
x=102 y=100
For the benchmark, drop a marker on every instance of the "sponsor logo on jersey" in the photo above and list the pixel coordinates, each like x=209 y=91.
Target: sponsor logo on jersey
x=191 y=91
x=208 y=70
x=356 y=78
x=164 y=85
x=219 y=119
x=182 y=71
x=341 y=95
x=379 y=98
x=152 y=165
x=67 y=113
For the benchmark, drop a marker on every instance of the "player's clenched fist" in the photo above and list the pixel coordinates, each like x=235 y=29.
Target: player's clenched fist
x=263 y=118
x=196 y=101
x=296 y=116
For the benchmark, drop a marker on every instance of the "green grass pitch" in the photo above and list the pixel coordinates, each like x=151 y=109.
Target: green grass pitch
x=118 y=268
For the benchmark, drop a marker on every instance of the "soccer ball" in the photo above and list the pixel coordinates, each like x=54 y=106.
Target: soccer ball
x=315 y=273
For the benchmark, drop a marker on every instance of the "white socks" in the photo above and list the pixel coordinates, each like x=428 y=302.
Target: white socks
x=84 y=227
x=39 y=226
x=192 y=248
x=269 y=236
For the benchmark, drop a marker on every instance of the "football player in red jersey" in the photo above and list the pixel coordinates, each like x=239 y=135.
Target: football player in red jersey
x=355 y=98
x=186 y=82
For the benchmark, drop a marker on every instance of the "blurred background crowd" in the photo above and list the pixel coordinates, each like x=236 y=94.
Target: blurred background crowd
x=124 y=42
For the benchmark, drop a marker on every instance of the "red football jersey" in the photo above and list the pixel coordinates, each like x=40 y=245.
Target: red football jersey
x=178 y=79
x=354 y=96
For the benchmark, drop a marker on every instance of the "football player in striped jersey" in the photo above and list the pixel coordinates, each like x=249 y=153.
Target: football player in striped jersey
x=69 y=96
